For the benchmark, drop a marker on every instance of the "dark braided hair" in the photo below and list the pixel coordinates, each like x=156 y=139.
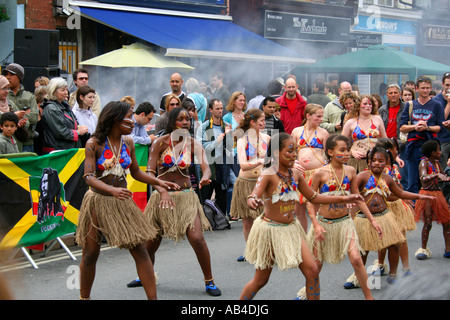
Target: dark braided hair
x=332 y=141
x=382 y=150
x=276 y=143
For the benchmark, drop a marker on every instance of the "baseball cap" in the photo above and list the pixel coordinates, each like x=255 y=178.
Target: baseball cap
x=16 y=69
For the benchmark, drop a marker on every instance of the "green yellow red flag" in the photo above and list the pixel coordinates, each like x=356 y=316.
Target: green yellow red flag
x=40 y=197
x=36 y=205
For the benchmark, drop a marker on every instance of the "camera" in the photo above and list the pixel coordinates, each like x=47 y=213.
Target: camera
x=25 y=108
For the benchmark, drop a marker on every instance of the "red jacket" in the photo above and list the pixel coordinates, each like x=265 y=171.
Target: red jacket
x=291 y=120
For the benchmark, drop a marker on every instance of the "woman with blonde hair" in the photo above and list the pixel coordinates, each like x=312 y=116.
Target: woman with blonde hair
x=171 y=102
x=236 y=107
x=61 y=129
x=130 y=100
x=348 y=100
x=364 y=127
x=310 y=140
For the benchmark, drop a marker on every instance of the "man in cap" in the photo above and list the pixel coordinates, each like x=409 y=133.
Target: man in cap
x=23 y=99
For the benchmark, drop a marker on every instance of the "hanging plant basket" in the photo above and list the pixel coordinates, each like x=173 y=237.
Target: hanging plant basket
x=4 y=13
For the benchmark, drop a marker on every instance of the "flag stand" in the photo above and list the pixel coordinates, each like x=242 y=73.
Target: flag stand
x=44 y=253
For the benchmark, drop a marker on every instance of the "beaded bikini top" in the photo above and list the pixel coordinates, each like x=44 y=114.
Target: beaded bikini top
x=359 y=134
x=314 y=143
x=168 y=159
x=374 y=185
x=111 y=163
x=335 y=187
x=286 y=190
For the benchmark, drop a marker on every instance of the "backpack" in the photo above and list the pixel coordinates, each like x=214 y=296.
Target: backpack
x=215 y=216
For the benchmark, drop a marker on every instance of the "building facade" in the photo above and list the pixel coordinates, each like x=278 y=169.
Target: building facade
x=314 y=30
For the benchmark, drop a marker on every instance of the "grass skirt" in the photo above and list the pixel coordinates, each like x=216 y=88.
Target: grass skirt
x=359 y=165
x=174 y=223
x=403 y=213
x=271 y=243
x=368 y=236
x=338 y=236
x=243 y=187
x=437 y=208
x=121 y=221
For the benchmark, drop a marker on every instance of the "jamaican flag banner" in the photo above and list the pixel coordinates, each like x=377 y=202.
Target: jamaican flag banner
x=40 y=197
x=138 y=188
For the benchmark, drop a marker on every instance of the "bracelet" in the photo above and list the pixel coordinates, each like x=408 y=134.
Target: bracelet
x=150 y=170
x=252 y=196
x=90 y=174
x=313 y=196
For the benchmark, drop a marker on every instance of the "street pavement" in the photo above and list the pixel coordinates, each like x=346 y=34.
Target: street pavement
x=180 y=277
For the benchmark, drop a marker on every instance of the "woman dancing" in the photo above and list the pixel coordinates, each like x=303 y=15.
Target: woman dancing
x=108 y=208
x=179 y=214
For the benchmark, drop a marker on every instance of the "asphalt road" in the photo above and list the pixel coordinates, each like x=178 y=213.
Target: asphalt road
x=180 y=277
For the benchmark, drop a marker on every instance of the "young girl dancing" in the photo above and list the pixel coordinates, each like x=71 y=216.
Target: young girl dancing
x=277 y=236
x=376 y=186
x=432 y=210
x=333 y=232
x=402 y=210
x=310 y=140
x=251 y=150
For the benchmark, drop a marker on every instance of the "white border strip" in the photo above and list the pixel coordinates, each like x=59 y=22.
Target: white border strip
x=174 y=52
x=96 y=5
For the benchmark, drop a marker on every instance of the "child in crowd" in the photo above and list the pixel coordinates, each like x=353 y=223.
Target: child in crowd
x=277 y=237
x=8 y=124
x=333 y=233
x=437 y=209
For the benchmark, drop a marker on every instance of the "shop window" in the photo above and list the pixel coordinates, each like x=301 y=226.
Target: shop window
x=385 y=3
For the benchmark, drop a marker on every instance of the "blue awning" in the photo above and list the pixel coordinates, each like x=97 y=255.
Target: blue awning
x=195 y=37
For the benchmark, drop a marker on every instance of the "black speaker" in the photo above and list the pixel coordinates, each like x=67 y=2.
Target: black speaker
x=32 y=73
x=36 y=47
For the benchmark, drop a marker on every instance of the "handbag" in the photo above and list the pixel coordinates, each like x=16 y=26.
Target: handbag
x=403 y=137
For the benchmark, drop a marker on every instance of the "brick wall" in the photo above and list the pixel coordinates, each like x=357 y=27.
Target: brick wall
x=39 y=14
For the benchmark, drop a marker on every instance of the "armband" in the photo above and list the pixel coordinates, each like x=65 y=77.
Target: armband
x=313 y=196
x=90 y=174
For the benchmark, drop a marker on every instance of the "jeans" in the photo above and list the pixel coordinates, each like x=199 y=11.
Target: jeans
x=412 y=166
x=28 y=148
x=403 y=171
